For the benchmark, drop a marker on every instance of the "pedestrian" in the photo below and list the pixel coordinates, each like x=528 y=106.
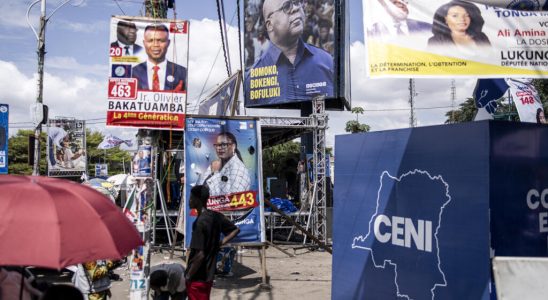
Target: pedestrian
x=168 y=281
x=205 y=244
x=92 y=279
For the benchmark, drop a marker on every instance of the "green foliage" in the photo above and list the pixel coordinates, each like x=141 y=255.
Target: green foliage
x=354 y=126
x=18 y=154
x=281 y=161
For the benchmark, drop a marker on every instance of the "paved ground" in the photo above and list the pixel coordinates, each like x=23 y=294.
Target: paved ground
x=307 y=275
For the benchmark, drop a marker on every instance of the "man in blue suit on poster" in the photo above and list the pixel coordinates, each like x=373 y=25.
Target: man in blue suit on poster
x=290 y=70
x=157 y=73
x=398 y=24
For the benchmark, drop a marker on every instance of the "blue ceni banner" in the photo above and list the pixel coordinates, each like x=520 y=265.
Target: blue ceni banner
x=418 y=215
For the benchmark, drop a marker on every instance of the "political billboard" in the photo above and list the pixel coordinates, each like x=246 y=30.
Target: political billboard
x=428 y=38
x=66 y=147
x=295 y=51
x=4 y=133
x=419 y=216
x=225 y=155
x=148 y=77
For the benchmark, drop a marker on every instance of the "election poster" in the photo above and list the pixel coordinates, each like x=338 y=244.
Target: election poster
x=429 y=38
x=101 y=170
x=294 y=52
x=4 y=133
x=142 y=162
x=148 y=74
x=66 y=147
x=526 y=100
x=225 y=155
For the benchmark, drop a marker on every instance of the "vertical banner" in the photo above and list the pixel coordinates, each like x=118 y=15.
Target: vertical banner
x=429 y=38
x=137 y=209
x=4 y=134
x=148 y=73
x=527 y=101
x=101 y=170
x=291 y=50
x=66 y=147
x=142 y=162
x=225 y=155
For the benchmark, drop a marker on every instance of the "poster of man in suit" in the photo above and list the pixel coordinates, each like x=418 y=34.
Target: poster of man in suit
x=148 y=73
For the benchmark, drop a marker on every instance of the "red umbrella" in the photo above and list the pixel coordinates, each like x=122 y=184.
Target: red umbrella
x=53 y=223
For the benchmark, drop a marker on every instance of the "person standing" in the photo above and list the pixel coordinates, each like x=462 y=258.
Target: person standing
x=92 y=279
x=205 y=244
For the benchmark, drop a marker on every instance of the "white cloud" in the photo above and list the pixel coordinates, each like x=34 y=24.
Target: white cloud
x=73 y=89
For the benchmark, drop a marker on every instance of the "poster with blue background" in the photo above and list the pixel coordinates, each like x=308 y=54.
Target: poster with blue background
x=224 y=154
x=419 y=213
x=4 y=133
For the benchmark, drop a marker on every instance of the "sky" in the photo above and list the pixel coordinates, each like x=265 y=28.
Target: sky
x=76 y=67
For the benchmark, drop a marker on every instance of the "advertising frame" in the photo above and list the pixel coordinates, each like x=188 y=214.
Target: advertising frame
x=226 y=197
x=66 y=147
x=137 y=98
x=4 y=137
x=269 y=89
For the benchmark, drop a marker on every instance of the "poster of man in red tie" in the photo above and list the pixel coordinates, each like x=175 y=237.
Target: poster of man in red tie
x=147 y=89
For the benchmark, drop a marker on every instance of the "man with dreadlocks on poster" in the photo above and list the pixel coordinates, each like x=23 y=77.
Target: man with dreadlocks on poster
x=228 y=174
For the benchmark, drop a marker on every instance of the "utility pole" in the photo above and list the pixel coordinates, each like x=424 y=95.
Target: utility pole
x=41 y=56
x=412 y=94
x=453 y=100
x=41 y=38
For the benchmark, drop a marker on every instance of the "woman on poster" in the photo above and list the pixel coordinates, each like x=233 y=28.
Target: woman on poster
x=458 y=23
x=227 y=174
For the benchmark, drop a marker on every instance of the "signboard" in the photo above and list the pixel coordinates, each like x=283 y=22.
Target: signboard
x=420 y=216
x=225 y=154
x=148 y=78
x=142 y=163
x=4 y=134
x=101 y=170
x=294 y=52
x=66 y=147
x=426 y=38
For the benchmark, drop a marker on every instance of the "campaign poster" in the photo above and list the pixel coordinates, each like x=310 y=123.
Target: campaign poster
x=66 y=147
x=142 y=162
x=429 y=38
x=148 y=74
x=101 y=170
x=292 y=52
x=526 y=100
x=225 y=155
x=4 y=118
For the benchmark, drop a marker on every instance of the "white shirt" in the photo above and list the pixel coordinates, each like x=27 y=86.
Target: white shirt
x=161 y=73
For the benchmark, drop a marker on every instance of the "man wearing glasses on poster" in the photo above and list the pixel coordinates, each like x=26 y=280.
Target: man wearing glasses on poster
x=227 y=174
x=290 y=70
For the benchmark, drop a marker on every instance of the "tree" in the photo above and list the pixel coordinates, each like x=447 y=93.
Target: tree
x=355 y=126
x=18 y=154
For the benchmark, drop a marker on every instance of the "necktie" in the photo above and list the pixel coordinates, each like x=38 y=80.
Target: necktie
x=155 y=79
x=398 y=29
x=127 y=49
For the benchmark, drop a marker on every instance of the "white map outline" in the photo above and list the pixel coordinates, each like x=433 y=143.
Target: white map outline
x=362 y=238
